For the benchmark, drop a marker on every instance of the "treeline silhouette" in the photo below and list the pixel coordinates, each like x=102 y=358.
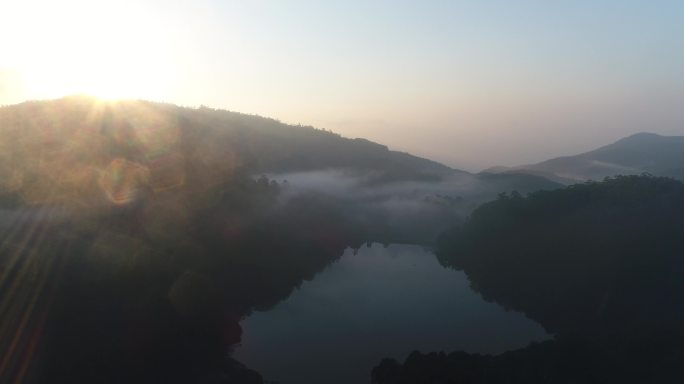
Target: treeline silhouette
x=598 y=264
x=115 y=298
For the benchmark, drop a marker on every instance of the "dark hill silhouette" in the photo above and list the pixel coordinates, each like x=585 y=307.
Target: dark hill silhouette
x=152 y=290
x=594 y=259
x=597 y=264
x=636 y=154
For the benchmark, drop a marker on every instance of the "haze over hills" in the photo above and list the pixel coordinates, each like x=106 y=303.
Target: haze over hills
x=260 y=144
x=636 y=154
x=49 y=147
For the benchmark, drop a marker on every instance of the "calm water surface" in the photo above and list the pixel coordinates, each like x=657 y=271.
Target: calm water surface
x=381 y=302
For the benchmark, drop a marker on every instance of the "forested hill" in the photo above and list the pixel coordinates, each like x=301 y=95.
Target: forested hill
x=78 y=123
x=591 y=259
x=598 y=264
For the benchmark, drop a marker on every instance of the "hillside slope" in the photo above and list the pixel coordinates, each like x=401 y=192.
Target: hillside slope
x=257 y=144
x=636 y=154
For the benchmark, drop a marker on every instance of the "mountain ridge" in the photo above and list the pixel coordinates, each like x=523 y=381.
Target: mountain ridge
x=74 y=148
x=267 y=145
x=639 y=153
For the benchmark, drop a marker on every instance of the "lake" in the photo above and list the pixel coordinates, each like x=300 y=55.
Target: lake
x=380 y=302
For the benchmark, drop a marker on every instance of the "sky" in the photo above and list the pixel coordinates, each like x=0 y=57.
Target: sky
x=472 y=84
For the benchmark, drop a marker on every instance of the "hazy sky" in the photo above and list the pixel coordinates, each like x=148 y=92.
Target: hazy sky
x=470 y=83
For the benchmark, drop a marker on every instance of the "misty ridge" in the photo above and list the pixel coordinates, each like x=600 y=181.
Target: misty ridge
x=639 y=153
x=61 y=155
x=136 y=236
x=403 y=202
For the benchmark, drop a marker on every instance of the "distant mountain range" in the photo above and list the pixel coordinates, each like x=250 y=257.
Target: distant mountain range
x=640 y=153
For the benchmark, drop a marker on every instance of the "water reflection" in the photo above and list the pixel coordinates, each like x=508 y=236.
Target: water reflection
x=380 y=302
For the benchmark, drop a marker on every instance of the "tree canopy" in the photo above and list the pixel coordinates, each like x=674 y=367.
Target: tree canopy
x=600 y=259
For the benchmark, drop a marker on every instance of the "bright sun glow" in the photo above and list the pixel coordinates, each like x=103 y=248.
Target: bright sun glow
x=119 y=50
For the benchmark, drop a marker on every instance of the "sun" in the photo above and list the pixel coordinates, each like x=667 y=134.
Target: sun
x=107 y=72
x=115 y=51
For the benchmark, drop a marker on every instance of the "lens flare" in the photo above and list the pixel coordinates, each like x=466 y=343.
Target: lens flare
x=123 y=181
